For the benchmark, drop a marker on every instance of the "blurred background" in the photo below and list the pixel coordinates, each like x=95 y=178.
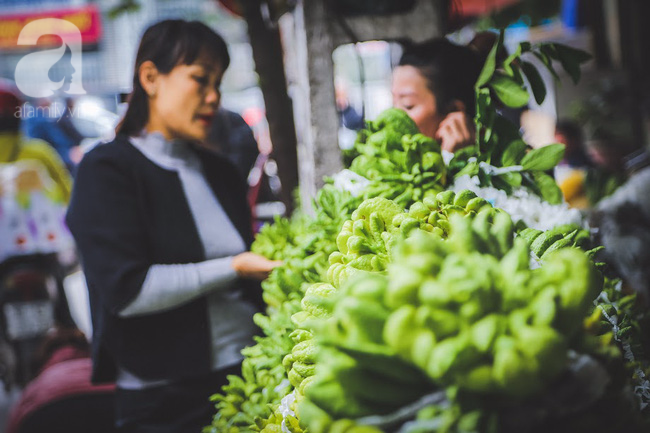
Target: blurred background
x=612 y=94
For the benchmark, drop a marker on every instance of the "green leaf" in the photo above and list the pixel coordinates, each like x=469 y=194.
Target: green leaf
x=627 y=302
x=512 y=178
x=470 y=169
x=549 y=51
x=506 y=130
x=483 y=105
x=499 y=183
x=459 y=161
x=514 y=153
x=548 y=187
x=484 y=180
x=546 y=61
x=571 y=68
x=465 y=153
x=507 y=64
x=516 y=74
x=484 y=114
x=489 y=66
x=571 y=58
x=543 y=158
x=509 y=91
x=579 y=56
x=535 y=80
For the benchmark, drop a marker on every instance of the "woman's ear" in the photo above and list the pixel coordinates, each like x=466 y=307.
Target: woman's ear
x=148 y=74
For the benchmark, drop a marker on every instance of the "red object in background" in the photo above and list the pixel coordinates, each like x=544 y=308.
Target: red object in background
x=463 y=12
x=471 y=8
x=464 y=8
x=66 y=375
x=87 y=19
x=252 y=116
x=232 y=6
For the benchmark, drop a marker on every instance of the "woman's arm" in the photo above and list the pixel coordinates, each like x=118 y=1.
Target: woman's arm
x=109 y=231
x=169 y=286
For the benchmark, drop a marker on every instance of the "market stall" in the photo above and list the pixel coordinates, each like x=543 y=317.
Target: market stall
x=433 y=292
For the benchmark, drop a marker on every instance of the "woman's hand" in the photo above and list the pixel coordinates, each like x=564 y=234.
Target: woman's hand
x=455 y=132
x=253 y=266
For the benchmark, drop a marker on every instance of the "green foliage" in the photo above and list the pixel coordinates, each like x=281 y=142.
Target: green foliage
x=626 y=317
x=508 y=90
x=544 y=158
x=464 y=311
x=498 y=142
x=376 y=306
x=563 y=236
x=401 y=164
x=123 y=7
x=246 y=398
x=304 y=244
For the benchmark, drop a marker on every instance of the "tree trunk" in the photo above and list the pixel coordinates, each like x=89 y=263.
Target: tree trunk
x=268 y=57
x=598 y=26
x=634 y=30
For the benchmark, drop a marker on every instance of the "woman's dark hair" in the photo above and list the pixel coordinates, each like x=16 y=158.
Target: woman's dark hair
x=168 y=44
x=450 y=70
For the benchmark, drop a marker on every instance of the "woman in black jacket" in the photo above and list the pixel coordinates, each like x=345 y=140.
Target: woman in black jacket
x=163 y=230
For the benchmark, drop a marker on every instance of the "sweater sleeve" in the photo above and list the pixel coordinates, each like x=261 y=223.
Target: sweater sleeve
x=168 y=286
x=108 y=229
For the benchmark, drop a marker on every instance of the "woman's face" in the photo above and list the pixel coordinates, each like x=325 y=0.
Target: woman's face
x=411 y=94
x=185 y=101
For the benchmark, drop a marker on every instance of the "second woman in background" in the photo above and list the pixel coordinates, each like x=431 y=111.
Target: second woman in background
x=434 y=84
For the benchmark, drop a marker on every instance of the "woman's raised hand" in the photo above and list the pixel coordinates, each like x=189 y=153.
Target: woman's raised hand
x=454 y=132
x=254 y=266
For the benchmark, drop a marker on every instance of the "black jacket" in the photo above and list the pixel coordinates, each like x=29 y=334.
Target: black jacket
x=127 y=214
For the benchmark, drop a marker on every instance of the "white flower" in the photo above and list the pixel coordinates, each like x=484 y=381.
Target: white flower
x=350 y=181
x=523 y=205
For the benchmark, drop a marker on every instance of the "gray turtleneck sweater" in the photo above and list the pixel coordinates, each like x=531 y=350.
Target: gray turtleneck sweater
x=168 y=286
